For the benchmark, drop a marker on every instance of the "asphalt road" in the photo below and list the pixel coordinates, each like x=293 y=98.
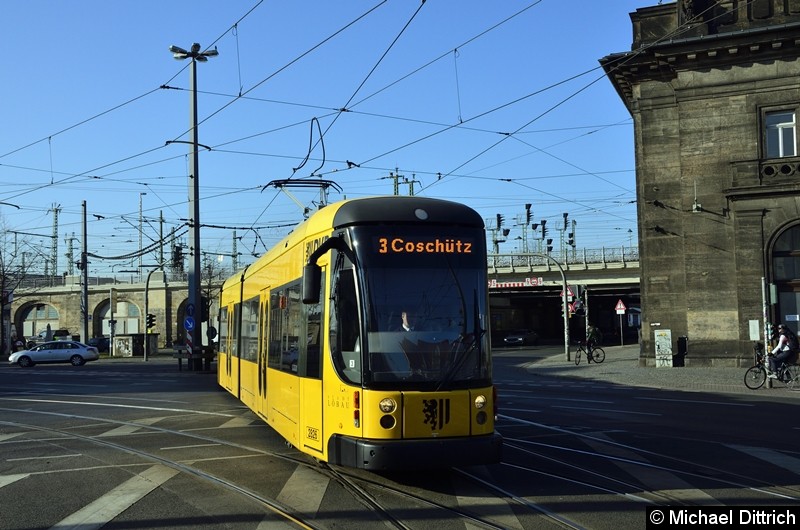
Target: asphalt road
x=137 y=444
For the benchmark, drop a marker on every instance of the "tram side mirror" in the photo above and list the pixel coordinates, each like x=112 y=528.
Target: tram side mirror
x=312 y=277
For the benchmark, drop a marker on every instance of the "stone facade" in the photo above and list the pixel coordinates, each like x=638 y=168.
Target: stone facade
x=719 y=214
x=166 y=300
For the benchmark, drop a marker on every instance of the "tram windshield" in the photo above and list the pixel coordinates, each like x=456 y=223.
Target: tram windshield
x=425 y=307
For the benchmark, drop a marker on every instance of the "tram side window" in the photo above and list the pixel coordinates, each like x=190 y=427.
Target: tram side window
x=311 y=362
x=249 y=346
x=237 y=309
x=275 y=329
x=223 y=329
x=286 y=317
x=345 y=337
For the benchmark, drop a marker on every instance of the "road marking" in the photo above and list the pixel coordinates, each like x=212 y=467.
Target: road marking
x=656 y=481
x=472 y=497
x=46 y=457
x=243 y=421
x=103 y=510
x=123 y=430
x=188 y=446
x=612 y=411
x=304 y=491
x=777 y=458
x=114 y=405
x=697 y=401
x=5 y=480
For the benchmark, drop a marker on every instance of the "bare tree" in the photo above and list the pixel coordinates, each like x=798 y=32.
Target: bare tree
x=15 y=272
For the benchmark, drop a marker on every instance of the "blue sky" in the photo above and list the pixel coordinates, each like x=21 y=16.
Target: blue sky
x=493 y=104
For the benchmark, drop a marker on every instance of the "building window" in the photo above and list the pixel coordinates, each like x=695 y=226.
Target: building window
x=781 y=134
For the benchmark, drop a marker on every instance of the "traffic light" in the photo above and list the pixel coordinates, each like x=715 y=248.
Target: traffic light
x=544 y=228
x=500 y=220
x=571 y=239
x=549 y=246
x=177 y=256
x=528 y=214
x=151 y=320
x=566 y=214
x=204 y=304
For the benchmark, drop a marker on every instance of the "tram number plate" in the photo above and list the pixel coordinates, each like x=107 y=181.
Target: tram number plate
x=312 y=433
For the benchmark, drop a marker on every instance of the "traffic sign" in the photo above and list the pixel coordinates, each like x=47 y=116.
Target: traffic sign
x=569 y=293
x=188 y=323
x=189 y=310
x=620 y=307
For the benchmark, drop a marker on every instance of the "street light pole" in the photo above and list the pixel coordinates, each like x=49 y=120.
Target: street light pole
x=193 y=311
x=160 y=266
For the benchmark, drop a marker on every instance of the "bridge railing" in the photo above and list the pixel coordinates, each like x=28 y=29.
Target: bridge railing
x=605 y=257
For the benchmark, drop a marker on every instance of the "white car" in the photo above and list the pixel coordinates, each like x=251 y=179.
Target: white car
x=60 y=351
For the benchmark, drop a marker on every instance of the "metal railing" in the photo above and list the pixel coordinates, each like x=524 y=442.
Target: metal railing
x=586 y=258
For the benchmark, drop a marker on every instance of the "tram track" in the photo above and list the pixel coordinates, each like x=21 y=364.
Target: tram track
x=374 y=493
x=360 y=484
x=270 y=504
x=645 y=460
x=402 y=501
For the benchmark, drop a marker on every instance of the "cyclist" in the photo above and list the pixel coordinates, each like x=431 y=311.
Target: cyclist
x=593 y=338
x=784 y=352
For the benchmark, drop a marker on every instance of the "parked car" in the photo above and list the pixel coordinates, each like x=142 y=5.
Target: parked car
x=55 y=334
x=521 y=337
x=60 y=351
x=101 y=343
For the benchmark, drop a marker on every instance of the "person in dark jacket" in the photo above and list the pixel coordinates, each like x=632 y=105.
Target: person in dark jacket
x=783 y=352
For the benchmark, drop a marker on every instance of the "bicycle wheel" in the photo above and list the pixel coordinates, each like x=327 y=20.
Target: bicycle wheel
x=793 y=377
x=755 y=377
x=578 y=356
x=598 y=355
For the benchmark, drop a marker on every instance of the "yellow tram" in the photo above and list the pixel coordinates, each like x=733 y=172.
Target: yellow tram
x=363 y=337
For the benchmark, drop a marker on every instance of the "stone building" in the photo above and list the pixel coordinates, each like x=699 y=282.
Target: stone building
x=713 y=87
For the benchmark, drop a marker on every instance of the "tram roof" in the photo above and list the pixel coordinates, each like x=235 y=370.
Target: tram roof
x=385 y=209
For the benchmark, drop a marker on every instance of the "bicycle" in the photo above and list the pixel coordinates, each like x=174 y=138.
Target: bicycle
x=756 y=375
x=598 y=355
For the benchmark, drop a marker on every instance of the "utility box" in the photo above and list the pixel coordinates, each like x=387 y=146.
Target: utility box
x=663 y=342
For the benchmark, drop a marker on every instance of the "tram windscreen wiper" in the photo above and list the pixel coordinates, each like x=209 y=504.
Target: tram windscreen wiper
x=459 y=355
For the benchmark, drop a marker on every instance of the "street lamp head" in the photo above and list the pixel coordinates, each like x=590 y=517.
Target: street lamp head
x=178 y=53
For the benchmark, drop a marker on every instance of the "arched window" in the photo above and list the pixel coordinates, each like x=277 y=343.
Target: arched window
x=127 y=317
x=786 y=276
x=37 y=318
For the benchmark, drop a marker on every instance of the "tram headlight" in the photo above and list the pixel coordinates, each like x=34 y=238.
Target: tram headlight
x=387 y=405
x=480 y=401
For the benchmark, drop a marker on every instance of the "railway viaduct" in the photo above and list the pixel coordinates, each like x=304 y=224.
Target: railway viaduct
x=525 y=293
